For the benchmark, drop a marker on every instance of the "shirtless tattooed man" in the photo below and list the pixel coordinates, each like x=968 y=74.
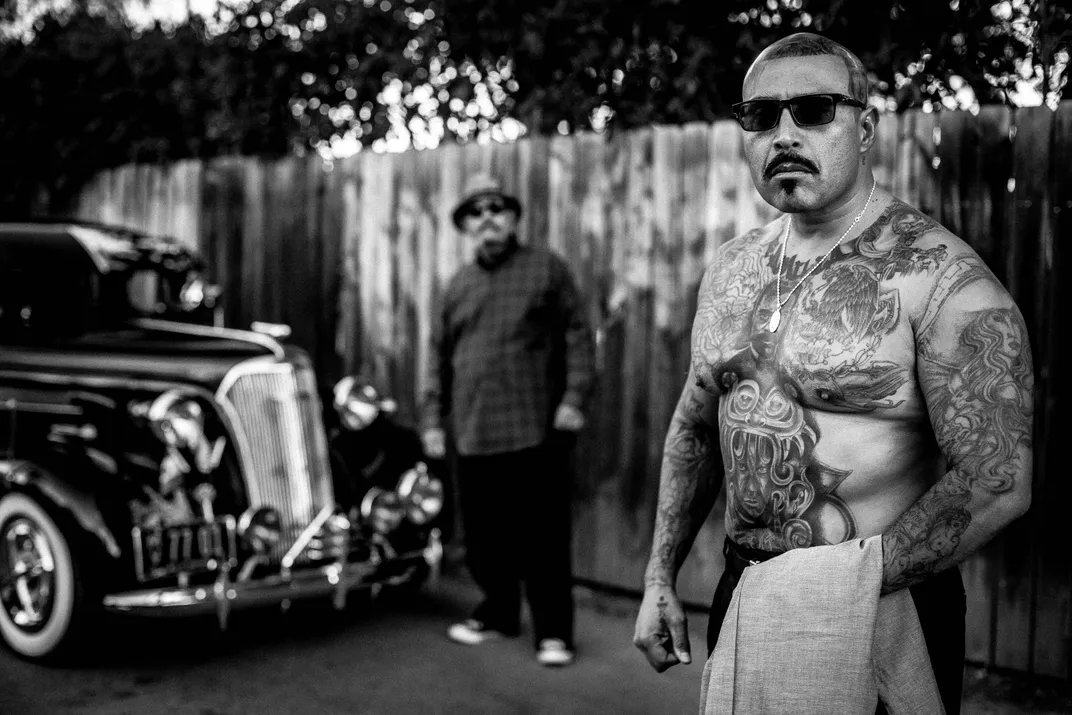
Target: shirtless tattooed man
x=856 y=370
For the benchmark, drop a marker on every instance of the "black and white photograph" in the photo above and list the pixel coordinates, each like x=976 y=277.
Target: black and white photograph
x=558 y=357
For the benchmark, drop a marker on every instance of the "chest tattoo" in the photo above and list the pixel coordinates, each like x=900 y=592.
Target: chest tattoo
x=828 y=356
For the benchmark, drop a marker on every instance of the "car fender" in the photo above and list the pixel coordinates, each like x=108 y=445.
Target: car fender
x=79 y=506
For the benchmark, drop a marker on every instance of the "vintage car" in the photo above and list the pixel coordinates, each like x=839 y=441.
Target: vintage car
x=155 y=463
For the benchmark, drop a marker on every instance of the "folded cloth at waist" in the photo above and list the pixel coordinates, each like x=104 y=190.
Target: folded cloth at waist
x=807 y=633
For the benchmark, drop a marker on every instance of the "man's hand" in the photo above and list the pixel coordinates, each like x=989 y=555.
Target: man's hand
x=568 y=418
x=662 y=631
x=434 y=441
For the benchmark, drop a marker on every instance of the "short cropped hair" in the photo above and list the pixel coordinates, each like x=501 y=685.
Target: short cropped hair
x=807 y=44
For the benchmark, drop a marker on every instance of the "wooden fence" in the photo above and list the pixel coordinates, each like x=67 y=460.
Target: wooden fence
x=354 y=256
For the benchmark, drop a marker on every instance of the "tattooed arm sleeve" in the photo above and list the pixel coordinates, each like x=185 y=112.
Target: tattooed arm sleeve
x=689 y=481
x=975 y=370
x=691 y=472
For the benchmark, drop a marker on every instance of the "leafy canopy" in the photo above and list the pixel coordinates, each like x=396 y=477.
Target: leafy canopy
x=86 y=87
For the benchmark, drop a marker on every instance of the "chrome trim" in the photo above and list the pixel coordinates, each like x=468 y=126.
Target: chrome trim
x=30 y=575
x=225 y=594
x=433 y=551
x=280 y=433
x=41 y=407
x=248 y=336
x=305 y=537
x=409 y=478
x=334 y=580
x=253 y=366
x=277 y=331
x=96 y=381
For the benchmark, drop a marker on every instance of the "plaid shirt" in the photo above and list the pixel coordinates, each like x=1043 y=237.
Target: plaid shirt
x=510 y=344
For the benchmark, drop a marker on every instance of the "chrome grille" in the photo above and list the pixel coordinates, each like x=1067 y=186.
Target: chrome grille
x=276 y=411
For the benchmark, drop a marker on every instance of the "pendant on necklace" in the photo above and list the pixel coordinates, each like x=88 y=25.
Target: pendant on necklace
x=775 y=320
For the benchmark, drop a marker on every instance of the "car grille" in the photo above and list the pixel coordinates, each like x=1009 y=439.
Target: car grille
x=282 y=441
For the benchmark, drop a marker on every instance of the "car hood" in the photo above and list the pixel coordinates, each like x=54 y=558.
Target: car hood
x=136 y=354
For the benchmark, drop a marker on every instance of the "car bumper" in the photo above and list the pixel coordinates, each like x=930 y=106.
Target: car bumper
x=224 y=595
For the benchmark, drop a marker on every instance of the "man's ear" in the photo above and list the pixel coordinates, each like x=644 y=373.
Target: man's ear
x=868 y=128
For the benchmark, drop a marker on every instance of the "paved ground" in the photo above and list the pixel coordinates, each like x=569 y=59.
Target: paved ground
x=389 y=656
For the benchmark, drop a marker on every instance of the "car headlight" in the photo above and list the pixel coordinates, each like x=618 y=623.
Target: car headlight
x=177 y=420
x=358 y=404
x=382 y=510
x=421 y=494
x=260 y=529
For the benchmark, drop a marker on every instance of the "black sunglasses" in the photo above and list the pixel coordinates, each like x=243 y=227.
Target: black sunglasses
x=808 y=110
x=477 y=208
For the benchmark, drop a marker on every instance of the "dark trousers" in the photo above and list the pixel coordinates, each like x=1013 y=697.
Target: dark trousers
x=516 y=516
x=939 y=601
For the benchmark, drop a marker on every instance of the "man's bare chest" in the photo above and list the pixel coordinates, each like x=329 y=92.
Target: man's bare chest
x=843 y=343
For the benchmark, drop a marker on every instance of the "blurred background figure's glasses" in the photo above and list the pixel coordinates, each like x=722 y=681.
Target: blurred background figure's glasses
x=808 y=110
x=478 y=208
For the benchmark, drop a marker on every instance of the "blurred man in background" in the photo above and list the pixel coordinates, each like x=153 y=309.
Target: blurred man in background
x=511 y=370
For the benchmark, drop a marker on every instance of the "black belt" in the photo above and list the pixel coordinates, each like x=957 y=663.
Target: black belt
x=738 y=557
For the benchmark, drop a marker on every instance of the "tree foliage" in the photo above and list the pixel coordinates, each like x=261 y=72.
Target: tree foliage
x=643 y=61
x=85 y=88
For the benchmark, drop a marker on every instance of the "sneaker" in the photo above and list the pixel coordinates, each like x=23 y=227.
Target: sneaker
x=471 y=632
x=554 y=652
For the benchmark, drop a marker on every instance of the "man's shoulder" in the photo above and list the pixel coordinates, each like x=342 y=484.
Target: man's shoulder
x=544 y=258
x=910 y=225
x=749 y=248
x=907 y=233
x=940 y=269
x=543 y=254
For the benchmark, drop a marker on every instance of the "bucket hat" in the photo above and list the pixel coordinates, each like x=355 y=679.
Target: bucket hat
x=479 y=186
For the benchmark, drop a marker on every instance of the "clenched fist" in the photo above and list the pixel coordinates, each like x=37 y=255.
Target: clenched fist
x=662 y=631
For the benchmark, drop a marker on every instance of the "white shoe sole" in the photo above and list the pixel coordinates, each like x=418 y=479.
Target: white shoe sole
x=554 y=660
x=466 y=636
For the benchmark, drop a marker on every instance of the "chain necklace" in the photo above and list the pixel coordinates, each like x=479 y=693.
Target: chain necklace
x=776 y=316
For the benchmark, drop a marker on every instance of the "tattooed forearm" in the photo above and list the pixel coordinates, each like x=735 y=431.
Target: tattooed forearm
x=689 y=482
x=980 y=394
x=927 y=534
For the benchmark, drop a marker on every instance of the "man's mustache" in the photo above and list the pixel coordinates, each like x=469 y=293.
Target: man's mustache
x=789 y=158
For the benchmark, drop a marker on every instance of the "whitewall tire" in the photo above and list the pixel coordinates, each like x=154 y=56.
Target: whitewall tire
x=40 y=595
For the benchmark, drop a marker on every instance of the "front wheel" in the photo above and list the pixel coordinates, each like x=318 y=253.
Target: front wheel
x=40 y=596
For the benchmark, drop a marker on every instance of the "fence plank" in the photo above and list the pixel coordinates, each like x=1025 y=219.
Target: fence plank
x=348 y=308
x=370 y=168
x=253 y=228
x=560 y=194
x=987 y=190
x=536 y=152
x=953 y=164
x=623 y=514
x=589 y=183
x=385 y=274
x=429 y=234
x=1014 y=632
x=331 y=235
x=451 y=250
x=408 y=219
x=611 y=415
